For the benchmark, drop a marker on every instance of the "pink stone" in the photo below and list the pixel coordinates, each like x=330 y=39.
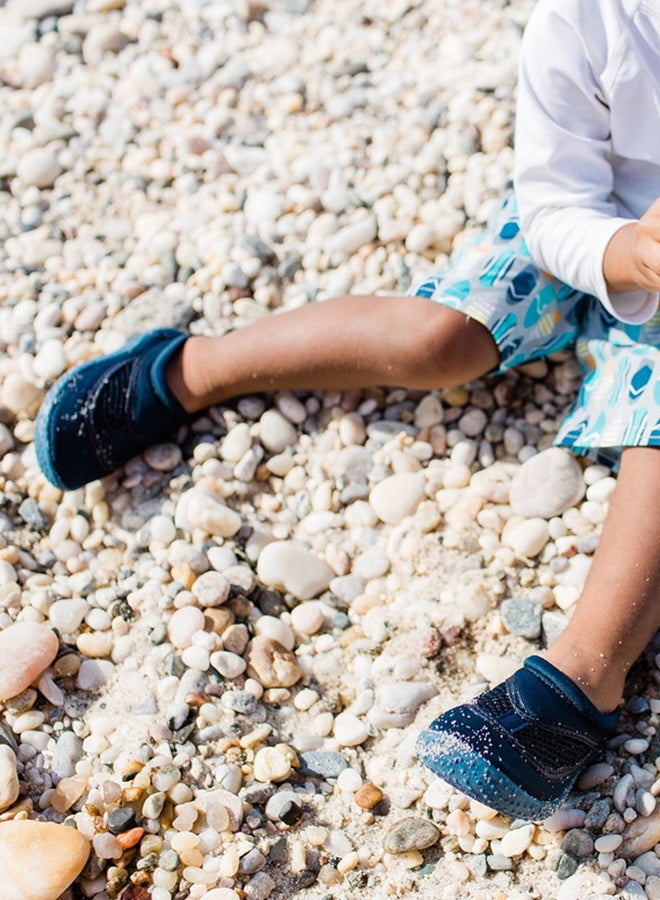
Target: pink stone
x=26 y=649
x=106 y=846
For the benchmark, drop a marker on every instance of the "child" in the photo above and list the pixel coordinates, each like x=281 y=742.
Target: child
x=587 y=180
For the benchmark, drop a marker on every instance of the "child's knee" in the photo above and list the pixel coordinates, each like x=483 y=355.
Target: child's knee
x=456 y=347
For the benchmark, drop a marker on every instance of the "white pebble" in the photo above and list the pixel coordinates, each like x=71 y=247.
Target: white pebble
x=38 y=167
x=275 y=432
x=276 y=629
x=349 y=730
x=196 y=658
x=526 y=538
x=290 y=566
x=185 y=622
x=635 y=746
x=229 y=665
x=608 y=843
x=307 y=617
x=517 y=841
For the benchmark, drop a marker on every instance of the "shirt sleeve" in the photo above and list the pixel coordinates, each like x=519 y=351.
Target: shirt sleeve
x=563 y=175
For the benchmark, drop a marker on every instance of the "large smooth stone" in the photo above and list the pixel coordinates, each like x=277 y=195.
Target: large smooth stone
x=39 y=860
x=289 y=566
x=547 y=484
x=26 y=649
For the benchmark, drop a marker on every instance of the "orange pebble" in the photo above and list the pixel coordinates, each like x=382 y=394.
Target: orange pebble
x=191 y=857
x=368 y=795
x=130 y=838
x=182 y=573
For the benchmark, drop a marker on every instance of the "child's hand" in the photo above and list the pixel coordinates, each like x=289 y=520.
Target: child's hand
x=632 y=257
x=646 y=252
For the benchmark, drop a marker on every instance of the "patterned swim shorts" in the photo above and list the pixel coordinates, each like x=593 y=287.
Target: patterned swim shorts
x=530 y=314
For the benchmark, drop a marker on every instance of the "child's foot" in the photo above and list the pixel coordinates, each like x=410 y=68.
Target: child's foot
x=106 y=411
x=519 y=747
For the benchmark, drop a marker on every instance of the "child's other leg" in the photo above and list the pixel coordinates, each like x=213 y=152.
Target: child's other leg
x=103 y=413
x=520 y=747
x=338 y=344
x=619 y=610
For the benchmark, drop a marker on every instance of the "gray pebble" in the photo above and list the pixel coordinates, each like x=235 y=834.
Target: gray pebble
x=522 y=617
x=240 y=701
x=597 y=815
x=257 y=794
x=479 y=865
x=31 y=514
x=614 y=824
x=174 y=665
x=567 y=866
x=121 y=819
x=578 y=843
x=325 y=763
x=260 y=248
x=278 y=850
x=169 y=861
x=252 y=862
x=288 y=267
x=553 y=623
x=414 y=833
x=260 y=887
x=149 y=311
x=341 y=621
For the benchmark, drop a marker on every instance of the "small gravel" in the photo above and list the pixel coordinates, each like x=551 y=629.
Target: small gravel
x=214 y=664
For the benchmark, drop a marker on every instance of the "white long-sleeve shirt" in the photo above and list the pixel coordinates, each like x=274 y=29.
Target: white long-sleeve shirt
x=588 y=137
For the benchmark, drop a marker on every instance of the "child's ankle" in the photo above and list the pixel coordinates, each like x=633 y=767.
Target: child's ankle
x=182 y=380
x=593 y=673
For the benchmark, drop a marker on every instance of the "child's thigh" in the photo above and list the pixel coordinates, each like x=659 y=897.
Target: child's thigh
x=493 y=280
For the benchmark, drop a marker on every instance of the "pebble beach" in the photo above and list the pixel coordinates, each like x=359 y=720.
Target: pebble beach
x=214 y=664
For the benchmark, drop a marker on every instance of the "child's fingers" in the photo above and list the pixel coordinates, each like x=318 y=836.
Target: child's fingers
x=650 y=221
x=648 y=246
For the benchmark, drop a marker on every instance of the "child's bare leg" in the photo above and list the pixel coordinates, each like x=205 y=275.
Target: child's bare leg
x=619 y=610
x=520 y=746
x=99 y=415
x=338 y=344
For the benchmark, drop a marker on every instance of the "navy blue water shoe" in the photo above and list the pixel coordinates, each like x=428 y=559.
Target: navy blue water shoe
x=519 y=747
x=106 y=411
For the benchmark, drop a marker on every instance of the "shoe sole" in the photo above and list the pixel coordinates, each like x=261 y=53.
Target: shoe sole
x=471 y=774
x=45 y=421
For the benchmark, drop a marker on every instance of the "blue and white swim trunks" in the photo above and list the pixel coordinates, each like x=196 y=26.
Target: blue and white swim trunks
x=530 y=314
